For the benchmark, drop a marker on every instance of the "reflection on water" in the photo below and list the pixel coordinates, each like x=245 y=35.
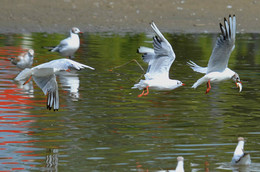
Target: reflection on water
x=102 y=124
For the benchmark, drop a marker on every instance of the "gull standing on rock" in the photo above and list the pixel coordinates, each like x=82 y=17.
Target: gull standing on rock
x=24 y=60
x=217 y=69
x=239 y=157
x=159 y=62
x=70 y=45
x=44 y=76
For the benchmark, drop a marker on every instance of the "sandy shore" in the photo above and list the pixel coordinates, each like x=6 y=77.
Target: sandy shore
x=184 y=16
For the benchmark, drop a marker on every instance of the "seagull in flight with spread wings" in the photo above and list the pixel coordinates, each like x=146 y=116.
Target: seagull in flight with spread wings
x=217 y=69
x=44 y=76
x=159 y=62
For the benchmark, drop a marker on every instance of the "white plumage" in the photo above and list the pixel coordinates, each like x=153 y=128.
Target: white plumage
x=217 y=69
x=44 y=76
x=159 y=62
x=239 y=157
x=70 y=45
x=24 y=60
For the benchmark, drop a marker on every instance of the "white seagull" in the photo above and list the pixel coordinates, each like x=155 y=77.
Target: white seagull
x=179 y=167
x=24 y=60
x=159 y=62
x=239 y=157
x=44 y=76
x=70 y=45
x=217 y=69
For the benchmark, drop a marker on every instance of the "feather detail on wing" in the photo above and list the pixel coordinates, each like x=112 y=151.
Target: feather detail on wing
x=49 y=87
x=160 y=58
x=225 y=44
x=63 y=64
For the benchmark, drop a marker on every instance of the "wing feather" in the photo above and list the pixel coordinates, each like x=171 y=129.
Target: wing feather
x=49 y=87
x=160 y=60
x=224 y=46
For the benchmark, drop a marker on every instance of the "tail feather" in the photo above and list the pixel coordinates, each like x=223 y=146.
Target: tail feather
x=196 y=67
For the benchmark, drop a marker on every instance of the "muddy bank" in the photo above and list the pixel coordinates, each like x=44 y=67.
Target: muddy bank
x=185 y=16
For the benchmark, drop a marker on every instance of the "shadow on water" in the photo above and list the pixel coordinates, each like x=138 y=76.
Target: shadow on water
x=102 y=124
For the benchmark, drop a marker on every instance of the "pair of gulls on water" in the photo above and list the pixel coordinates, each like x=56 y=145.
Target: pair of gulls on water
x=161 y=57
x=239 y=158
x=159 y=62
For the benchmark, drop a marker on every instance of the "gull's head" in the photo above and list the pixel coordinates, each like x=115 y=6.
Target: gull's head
x=240 y=139
x=236 y=78
x=180 y=158
x=76 y=30
x=31 y=52
x=179 y=83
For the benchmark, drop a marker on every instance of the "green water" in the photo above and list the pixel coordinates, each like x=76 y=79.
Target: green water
x=106 y=127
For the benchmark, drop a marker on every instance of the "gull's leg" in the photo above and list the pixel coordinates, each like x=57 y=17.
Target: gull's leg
x=28 y=80
x=140 y=95
x=147 y=91
x=208 y=86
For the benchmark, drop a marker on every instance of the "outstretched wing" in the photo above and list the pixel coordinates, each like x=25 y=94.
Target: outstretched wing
x=49 y=87
x=63 y=64
x=225 y=44
x=161 y=58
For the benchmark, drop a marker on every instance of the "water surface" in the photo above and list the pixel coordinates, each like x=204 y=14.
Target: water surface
x=106 y=127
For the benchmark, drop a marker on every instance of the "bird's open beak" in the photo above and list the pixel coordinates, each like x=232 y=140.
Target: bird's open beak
x=81 y=32
x=239 y=85
x=183 y=84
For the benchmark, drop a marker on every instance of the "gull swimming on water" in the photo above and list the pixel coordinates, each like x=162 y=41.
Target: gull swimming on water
x=159 y=62
x=217 y=69
x=70 y=45
x=239 y=157
x=44 y=76
x=24 y=60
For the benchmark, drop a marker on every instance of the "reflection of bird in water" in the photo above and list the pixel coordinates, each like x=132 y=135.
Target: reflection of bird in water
x=239 y=157
x=44 y=76
x=52 y=159
x=24 y=60
x=70 y=45
x=159 y=62
x=179 y=167
x=217 y=69
x=27 y=88
x=70 y=82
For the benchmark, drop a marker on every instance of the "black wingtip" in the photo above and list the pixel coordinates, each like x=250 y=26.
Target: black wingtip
x=48 y=107
x=225 y=19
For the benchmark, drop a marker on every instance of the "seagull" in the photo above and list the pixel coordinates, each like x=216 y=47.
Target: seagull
x=159 y=62
x=24 y=60
x=70 y=45
x=217 y=69
x=179 y=167
x=44 y=76
x=239 y=157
